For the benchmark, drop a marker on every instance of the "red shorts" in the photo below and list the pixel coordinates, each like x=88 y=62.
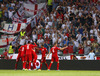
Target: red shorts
x=34 y=59
x=28 y=57
x=22 y=58
x=43 y=59
x=55 y=58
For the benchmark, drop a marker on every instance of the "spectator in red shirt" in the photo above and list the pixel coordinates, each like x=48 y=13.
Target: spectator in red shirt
x=5 y=54
x=65 y=51
x=92 y=39
x=40 y=35
x=70 y=48
x=81 y=49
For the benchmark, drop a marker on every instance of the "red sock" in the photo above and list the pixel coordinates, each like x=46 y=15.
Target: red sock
x=24 y=66
x=50 y=66
x=29 y=65
x=40 y=65
x=46 y=65
x=16 y=66
x=34 y=66
x=57 y=66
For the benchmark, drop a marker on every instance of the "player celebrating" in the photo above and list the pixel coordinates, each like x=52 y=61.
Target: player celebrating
x=54 y=55
x=28 y=57
x=43 y=59
x=34 y=58
x=21 y=55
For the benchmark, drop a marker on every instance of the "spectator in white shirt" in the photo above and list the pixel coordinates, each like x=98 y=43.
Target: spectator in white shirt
x=79 y=37
x=40 y=41
x=88 y=42
x=54 y=39
x=34 y=36
x=47 y=34
x=12 y=4
x=64 y=25
x=76 y=45
x=98 y=37
x=22 y=41
x=10 y=13
x=92 y=55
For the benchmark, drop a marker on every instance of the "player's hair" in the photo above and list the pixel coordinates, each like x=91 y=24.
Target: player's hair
x=29 y=42
x=91 y=51
x=55 y=43
x=42 y=44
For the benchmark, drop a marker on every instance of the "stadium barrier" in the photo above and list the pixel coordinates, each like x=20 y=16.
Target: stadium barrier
x=64 y=65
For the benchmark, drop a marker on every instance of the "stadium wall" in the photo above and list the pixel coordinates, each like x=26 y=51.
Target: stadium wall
x=64 y=65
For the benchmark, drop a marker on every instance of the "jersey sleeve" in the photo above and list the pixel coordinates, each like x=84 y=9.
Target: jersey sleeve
x=35 y=45
x=58 y=48
x=19 y=50
x=24 y=49
x=46 y=49
x=51 y=50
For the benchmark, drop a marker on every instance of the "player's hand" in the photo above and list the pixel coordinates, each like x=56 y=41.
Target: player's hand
x=66 y=46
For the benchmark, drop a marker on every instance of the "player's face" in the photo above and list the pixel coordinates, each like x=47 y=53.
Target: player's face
x=55 y=44
x=41 y=46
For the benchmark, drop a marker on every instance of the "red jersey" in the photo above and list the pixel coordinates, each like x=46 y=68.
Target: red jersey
x=81 y=51
x=65 y=51
x=70 y=49
x=5 y=53
x=43 y=51
x=54 y=50
x=33 y=53
x=29 y=48
x=22 y=50
x=39 y=35
x=92 y=40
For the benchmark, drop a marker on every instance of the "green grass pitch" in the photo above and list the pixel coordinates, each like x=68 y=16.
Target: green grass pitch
x=48 y=73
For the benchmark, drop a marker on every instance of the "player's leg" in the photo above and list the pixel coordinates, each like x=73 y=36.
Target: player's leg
x=34 y=61
x=29 y=65
x=58 y=65
x=45 y=62
x=23 y=61
x=17 y=60
x=41 y=63
x=30 y=60
x=52 y=60
x=34 y=66
x=57 y=60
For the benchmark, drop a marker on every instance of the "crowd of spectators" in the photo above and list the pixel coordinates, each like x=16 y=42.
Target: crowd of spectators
x=72 y=23
x=8 y=8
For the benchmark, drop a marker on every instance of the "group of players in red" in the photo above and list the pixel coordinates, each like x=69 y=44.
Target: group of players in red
x=27 y=55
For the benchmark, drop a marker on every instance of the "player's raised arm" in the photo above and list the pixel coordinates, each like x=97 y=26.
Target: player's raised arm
x=49 y=53
x=35 y=45
x=63 y=48
x=19 y=50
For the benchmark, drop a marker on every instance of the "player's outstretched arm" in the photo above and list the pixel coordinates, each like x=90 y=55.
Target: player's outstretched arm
x=48 y=54
x=35 y=45
x=63 y=48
